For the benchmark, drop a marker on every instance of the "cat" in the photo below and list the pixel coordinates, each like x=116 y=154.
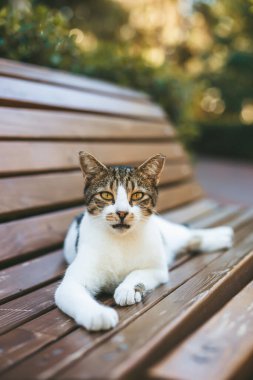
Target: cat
x=119 y=244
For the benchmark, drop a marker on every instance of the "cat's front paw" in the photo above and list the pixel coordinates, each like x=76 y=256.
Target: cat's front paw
x=218 y=238
x=99 y=318
x=129 y=295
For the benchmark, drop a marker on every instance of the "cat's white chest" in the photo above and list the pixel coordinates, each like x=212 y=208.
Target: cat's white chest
x=108 y=259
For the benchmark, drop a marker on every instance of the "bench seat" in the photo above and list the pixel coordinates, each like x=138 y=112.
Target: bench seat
x=46 y=117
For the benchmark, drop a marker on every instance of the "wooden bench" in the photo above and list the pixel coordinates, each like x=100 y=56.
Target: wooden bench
x=46 y=118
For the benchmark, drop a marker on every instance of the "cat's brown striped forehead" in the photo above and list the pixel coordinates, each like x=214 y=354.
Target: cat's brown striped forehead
x=125 y=176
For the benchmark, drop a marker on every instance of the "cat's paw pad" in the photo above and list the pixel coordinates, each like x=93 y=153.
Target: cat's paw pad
x=219 y=238
x=127 y=295
x=101 y=318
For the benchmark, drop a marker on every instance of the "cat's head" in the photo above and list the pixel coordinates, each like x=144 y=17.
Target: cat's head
x=121 y=196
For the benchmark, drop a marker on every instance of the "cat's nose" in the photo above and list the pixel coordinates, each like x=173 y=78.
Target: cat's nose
x=122 y=215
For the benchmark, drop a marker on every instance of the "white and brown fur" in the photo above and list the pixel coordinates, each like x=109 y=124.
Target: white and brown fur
x=120 y=245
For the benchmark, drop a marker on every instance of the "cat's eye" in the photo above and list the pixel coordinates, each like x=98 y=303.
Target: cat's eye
x=137 y=196
x=106 y=195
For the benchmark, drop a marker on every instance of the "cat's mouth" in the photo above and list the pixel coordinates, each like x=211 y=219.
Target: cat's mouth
x=121 y=226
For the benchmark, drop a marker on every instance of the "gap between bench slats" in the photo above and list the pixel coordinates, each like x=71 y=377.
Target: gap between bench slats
x=225 y=338
x=17 y=92
x=36 y=124
x=23 y=157
x=52 y=359
x=60 y=319
x=62 y=78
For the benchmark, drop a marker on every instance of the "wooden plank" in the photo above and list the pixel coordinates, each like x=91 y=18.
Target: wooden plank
x=27 y=307
x=225 y=338
x=17 y=92
x=62 y=353
x=31 y=274
x=18 y=123
x=32 y=336
x=179 y=195
x=62 y=78
x=225 y=214
x=146 y=338
x=26 y=193
x=192 y=211
x=35 y=234
x=20 y=157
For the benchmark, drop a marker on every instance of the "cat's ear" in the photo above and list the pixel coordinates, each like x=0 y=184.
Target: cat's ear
x=90 y=166
x=152 y=167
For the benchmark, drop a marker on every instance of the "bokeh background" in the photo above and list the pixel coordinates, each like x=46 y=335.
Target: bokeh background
x=195 y=58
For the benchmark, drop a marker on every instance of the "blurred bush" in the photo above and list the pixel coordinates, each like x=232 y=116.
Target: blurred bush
x=225 y=141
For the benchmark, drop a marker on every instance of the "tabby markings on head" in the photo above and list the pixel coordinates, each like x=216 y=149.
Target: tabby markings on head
x=120 y=188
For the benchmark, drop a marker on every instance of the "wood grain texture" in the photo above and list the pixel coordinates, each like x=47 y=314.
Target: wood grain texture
x=225 y=213
x=18 y=123
x=31 y=274
x=25 y=236
x=179 y=195
x=46 y=364
x=62 y=78
x=225 y=338
x=31 y=336
x=20 y=157
x=189 y=305
x=192 y=212
x=27 y=307
x=20 y=92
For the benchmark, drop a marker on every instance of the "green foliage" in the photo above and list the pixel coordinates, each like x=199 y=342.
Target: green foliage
x=40 y=36
x=230 y=26
x=101 y=17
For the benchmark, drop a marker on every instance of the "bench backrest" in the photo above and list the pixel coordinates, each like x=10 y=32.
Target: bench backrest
x=46 y=118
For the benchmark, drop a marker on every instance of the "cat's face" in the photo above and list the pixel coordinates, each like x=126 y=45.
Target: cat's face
x=121 y=196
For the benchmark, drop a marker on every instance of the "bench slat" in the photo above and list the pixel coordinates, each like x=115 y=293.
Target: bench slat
x=19 y=157
x=27 y=307
x=36 y=124
x=193 y=211
x=33 y=335
x=179 y=314
x=20 y=92
x=74 y=345
x=30 y=275
x=80 y=82
x=26 y=193
x=179 y=195
x=25 y=236
x=225 y=338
